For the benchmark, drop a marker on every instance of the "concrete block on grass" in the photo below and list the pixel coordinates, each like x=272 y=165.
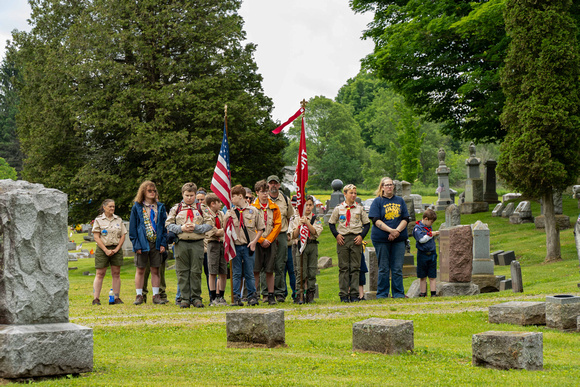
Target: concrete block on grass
x=519 y=313
x=385 y=336
x=255 y=328
x=508 y=350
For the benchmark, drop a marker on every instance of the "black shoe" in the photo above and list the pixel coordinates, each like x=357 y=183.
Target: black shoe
x=252 y=301
x=297 y=301
x=422 y=294
x=144 y=298
x=354 y=299
x=344 y=299
x=178 y=301
x=310 y=296
x=271 y=299
x=280 y=298
x=96 y=301
x=237 y=301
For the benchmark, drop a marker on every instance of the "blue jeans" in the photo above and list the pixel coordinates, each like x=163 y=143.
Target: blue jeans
x=289 y=268
x=390 y=257
x=243 y=259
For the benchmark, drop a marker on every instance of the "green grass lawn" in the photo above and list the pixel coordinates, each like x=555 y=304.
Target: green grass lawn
x=165 y=345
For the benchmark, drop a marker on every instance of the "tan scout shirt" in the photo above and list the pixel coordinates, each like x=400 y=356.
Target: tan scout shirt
x=286 y=210
x=358 y=218
x=181 y=218
x=111 y=230
x=210 y=217
x=295 y=223
x=253 y=221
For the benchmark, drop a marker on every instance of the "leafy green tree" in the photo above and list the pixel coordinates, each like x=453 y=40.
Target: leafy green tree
x=9 y=143
x=333 y=142
x=114 y=93
x=541 y=115
x=6 y=171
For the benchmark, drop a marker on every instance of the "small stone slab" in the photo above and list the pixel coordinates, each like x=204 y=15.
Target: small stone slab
x=385 y=336
x=415 y=289
x=498 y=209
x=494 y=256
x=454 y=289
x=562 y=312
x=45 y=349
x=519 y=313
x=324 y=262
x=517 y=282
x=505 y=258
x=487 y=283
x=505 y=285
x=256 y=328
x=508 y=350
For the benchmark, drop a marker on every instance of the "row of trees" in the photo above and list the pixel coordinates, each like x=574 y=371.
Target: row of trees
x=113 y=93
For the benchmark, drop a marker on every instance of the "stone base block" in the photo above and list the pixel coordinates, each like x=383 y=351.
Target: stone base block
x=488 y=283
x=482 y=266
x=383 y=336
x=519 y=313
x=506 y=258
x=409 y=271
x=409 y=258
x=505 y=285
x=44 y=350
x=518 y=219
x=415 y=289
x=508 y=350
x=562 y=312
x=256 y=328
x=324 y=262
x=372 y=295
x=454 y=289
x=474 y=207
x=563 y=221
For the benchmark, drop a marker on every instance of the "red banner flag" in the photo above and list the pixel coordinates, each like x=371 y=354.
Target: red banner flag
x=279 y=128
x=301 y=177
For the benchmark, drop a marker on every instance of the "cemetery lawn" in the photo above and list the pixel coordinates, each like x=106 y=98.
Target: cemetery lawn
x=165 y=345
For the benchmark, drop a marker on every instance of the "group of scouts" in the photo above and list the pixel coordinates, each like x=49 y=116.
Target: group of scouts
x=266 y=228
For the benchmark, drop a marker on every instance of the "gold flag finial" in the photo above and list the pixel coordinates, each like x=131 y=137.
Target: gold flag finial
x=303 y=104
x=226 y=109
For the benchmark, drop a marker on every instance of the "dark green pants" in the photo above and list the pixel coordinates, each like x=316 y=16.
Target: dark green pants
x=188 y=267
x=310 y=258
x=348 y=266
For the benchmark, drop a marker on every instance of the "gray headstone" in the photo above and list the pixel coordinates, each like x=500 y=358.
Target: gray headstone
x=455 y=289
x=385 y=336
x=373 y=266
x=444 y=198
x=417 y=202
x=506 y=258
x=489 y=186
x=456 y=254
x=398 y=190
x=255 y=328
x=516 y=272
x=495 y=255
x=510 y=196
x=472 y=163
x=406 y=189
x=505 y=285
x=324 y=262
x=36 y=338
x=473 y=190
x=562 y=312
x=508 y=210
x=452 y=216
x=508 y=350
x=519 y=313
x=497 y=211
x=577 y=237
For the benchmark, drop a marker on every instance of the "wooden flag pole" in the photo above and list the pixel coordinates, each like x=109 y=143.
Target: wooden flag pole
x=230 y=262
x=303 y=105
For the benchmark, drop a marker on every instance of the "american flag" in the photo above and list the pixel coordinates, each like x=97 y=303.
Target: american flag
x=221 y=185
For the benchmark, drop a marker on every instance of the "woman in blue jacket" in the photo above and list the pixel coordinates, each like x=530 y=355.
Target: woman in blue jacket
x=149 y=237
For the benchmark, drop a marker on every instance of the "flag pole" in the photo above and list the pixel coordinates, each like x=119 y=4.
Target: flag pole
x=230 y=263
x=303 y=105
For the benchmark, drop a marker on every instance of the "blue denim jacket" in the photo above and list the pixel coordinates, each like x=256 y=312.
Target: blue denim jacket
x=137 y=232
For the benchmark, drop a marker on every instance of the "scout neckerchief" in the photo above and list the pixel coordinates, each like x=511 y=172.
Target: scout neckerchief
x=265 y=208
x=217 y=221
x=427 y=229
x=189 y=215
x=348 y=213
x=239 y=213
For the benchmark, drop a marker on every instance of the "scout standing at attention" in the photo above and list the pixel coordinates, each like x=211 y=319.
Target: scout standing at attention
x=188 y=224
x=310 y=254
x=426 y=252
x=215 y=249
x=149 y=238
x=109 y=232
x=267 y=244
x=349 y=224
x=249 y=226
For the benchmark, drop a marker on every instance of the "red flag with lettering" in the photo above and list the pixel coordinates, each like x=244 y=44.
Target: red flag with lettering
x=301 y=177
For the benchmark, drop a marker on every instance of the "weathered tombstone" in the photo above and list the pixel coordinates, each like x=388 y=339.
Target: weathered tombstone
x=406 y=189
x=508 y=210
x=127 y=245
x=516 y=272
x=324 y=262
x=36 y=338
x=505 y=258
x=489 y=186
x=519 y=313
x=509 y=196
x=456 y=254
x=576 y=190
x=71 y=246
x=498 y=209
x=522 y=213
x=417 y=203
x=562 y=312
x=398 y=188
x=452 y=217
x=452 y=194
x=505 y=284
x=577 y=237
x=473 y=186
x=455 y=289
x=495 y=255
x=256 y=328
x=444 y=198
x=336 y=197
x=483 y=265
x=412 y=219
x=415 y=289
x=373 y=274
x=562 y=221
x=508 y=350
x=387 y=336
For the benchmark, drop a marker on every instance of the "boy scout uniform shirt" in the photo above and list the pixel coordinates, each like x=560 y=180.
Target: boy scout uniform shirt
x=295 y=222
x=181 y=219
x=253 y=221
x=286 y=210
x=210 y=218
x=358 y=218
x=111 y=230
x=273 y=220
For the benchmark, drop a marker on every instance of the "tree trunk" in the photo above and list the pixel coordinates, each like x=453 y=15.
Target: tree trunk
x=552 y=232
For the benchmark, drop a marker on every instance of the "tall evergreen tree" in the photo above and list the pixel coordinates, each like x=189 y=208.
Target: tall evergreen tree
x=9 y=144
x=118 y=92
x=542 y=111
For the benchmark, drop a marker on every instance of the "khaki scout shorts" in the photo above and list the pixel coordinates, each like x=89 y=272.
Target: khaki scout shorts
x=102 y=260
x=216 y=261
x=153 y=256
